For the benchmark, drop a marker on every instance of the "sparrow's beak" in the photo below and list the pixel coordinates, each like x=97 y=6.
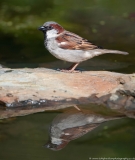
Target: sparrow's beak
x=42 y=28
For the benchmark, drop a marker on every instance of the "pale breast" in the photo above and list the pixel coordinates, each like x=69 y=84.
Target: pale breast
x=74 y=56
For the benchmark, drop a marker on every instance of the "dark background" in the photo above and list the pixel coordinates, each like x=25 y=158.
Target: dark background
x=110 y=24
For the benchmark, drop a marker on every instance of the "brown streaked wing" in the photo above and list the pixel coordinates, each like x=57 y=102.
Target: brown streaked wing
x=73 y=41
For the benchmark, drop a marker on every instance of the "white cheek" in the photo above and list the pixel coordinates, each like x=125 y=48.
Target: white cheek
x=51 y=33
x=56 y=140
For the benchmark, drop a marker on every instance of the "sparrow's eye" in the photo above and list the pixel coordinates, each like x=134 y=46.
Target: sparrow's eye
x=50 y=27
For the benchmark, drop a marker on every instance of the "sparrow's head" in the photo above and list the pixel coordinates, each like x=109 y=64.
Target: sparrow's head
x=51 y=29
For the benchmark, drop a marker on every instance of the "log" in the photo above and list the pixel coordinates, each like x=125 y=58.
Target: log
x=46 y=87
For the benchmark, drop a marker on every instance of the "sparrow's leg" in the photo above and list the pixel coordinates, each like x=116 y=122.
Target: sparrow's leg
x=71 y=69
x=77 y=107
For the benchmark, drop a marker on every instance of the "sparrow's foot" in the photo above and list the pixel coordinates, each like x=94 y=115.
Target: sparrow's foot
x=71 y=69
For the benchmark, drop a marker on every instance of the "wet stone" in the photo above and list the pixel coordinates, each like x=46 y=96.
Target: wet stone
x=41 y=86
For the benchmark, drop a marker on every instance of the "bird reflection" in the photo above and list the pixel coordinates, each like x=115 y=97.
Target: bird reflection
x=72 y=125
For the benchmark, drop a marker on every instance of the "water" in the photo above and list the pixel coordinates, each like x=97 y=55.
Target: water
x=106 y=23
x=24 y=137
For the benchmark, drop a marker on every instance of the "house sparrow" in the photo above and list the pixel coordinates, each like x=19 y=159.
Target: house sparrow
x=70 y=47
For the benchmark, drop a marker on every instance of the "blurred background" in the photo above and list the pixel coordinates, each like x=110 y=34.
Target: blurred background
x=110 y=24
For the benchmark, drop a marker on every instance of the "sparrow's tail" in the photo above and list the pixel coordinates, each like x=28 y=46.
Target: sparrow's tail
x=114 y=51
x=103 y=51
